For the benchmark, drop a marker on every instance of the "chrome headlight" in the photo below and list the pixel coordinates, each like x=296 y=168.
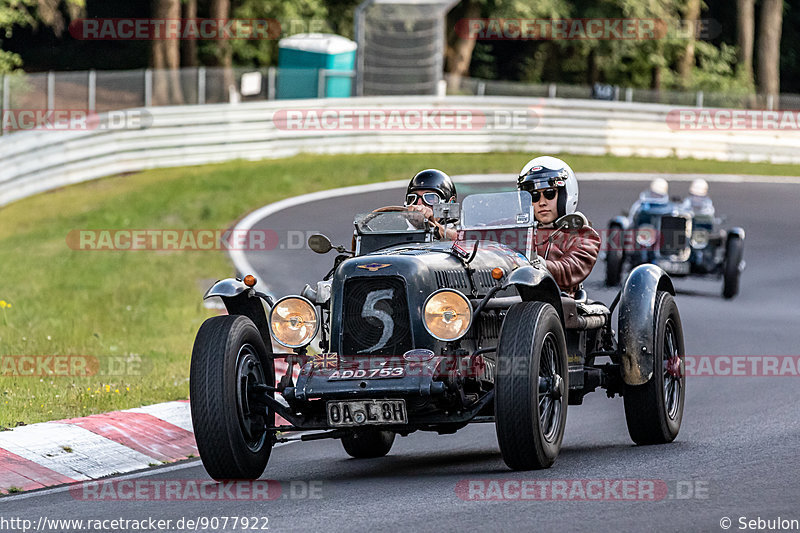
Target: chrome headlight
x=447 y=315
x=293 y=321
x=646 y=235
x=699 y=239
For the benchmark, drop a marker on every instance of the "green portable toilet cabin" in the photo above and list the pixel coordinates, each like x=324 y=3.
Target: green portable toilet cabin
x=300 y=58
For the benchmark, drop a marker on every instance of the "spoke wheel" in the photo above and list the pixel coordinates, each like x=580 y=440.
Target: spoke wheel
x=654 y=410
x=531 y=390
x=231 y=425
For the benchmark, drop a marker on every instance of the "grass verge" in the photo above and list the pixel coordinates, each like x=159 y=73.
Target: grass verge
x=137 y=312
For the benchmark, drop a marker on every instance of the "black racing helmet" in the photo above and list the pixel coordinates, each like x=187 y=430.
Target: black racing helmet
x=435 y=180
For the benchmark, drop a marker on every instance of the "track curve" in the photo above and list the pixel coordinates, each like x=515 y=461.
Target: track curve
x=738 y=442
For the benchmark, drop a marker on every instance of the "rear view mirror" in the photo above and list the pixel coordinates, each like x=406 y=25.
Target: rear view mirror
x=320 y=243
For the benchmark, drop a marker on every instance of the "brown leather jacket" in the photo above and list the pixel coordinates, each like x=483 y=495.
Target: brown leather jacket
x=571 y=257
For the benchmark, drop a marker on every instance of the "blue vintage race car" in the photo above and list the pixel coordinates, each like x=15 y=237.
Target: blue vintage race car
x=682 y=238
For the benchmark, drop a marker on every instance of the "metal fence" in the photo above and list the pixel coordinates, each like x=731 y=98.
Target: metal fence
x=481 y=87
x=107 y=90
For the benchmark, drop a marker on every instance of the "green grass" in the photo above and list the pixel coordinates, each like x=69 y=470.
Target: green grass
x=147 y=305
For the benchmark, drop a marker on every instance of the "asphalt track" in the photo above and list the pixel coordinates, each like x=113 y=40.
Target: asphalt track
x=738 y=446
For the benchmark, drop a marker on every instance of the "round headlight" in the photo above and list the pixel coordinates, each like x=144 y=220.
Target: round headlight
x=646 y=235
x=699 y=239
x=448 y=315
x=293 y=321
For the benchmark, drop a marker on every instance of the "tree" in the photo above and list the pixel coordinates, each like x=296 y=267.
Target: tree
x=166 y=57
x=769 y=47
x=460 y=47
x=189 y=46
x=745 y=32
x=13 y=13
x=221 y=10
x=687 y=61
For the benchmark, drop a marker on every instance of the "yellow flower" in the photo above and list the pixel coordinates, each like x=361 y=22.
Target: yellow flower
x=116 y=390
x=108 y=388
x=4 y=304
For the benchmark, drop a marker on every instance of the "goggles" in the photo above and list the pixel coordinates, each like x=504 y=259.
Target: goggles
x=428 y=198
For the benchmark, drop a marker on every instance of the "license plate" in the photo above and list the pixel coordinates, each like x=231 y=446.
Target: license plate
x=674 y=268
x=372 y=373
x=366 y=413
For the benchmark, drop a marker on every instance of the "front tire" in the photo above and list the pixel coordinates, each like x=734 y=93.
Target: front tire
x=228 y=359
x=531 y=390
x=368 y=444
x=734 y=249
x=654 y=411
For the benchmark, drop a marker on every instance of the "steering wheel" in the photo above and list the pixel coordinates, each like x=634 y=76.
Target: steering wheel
x=391 y=209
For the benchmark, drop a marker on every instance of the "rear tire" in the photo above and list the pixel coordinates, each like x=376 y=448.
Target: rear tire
x=532 y=386
x=654 y=411
x=733 y=258
x=229 y=357
x=368 y=444
x=614 y=256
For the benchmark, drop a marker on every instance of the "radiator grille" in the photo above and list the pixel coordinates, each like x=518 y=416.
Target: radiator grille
x=375 y=320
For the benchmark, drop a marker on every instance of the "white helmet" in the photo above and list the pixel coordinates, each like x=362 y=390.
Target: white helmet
x=545 y=172
x=699 y=188
x=659 y=186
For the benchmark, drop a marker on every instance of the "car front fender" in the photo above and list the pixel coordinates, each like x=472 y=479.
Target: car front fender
x=239 y=299
x=620 y=221
x=536 y=284
x=636 y=316
x=736 y=232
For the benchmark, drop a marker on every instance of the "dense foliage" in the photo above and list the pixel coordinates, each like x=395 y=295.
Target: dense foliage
x=33 y=36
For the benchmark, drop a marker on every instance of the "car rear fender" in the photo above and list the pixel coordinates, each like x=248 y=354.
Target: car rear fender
x=239 y=299
x=636 y=315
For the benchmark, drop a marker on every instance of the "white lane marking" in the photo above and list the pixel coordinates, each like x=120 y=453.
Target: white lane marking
x=243 y=266
x=72 y=451
x=190 y=463
x=175 y=413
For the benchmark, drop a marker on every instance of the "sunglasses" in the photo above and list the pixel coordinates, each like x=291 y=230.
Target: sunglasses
x=428 y=198
x=549 y=194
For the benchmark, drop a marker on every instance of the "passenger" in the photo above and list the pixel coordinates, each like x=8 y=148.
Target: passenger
x=698 y=201
x=428 y=188
x=554 y=189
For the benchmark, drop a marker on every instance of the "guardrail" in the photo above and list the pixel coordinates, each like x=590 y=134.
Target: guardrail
x=37 y=161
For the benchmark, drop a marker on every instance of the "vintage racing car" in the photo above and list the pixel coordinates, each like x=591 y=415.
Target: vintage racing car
x=419 y=334
x=682 y=242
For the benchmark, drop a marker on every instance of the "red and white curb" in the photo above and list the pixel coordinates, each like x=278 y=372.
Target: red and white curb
x=79 y=449
x=96 y=446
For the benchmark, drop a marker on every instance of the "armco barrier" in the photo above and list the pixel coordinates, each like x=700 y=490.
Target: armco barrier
x=37 y=161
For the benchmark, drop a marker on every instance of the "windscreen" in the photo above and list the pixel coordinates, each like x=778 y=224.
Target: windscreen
x=493 y=210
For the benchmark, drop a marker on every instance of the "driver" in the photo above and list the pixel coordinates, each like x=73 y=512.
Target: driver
x=426 y=189
x=571 y=256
